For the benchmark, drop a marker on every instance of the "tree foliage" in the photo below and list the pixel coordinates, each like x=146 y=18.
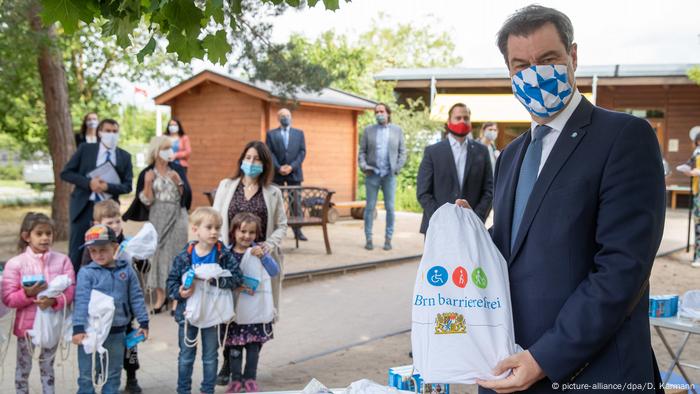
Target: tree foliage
x=223 y=31
x=694 y=74
x=352 y=65
x=95 y=69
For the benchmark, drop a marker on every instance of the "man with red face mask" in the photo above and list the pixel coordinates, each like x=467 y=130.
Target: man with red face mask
x=457 y=167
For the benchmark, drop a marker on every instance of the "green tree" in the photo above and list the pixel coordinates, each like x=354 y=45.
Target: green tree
x=352 y=65
x=190 y=28
x=694 y=74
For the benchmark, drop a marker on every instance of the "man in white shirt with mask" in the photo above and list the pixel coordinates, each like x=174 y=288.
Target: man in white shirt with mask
x=88 y=190
x=489 y=133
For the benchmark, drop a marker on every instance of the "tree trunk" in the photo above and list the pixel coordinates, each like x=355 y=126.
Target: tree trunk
x=58 y=119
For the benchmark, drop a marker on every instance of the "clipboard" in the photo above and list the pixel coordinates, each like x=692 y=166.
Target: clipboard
x=106 y=172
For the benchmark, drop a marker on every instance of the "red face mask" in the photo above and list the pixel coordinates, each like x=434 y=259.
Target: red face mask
x=460 y=129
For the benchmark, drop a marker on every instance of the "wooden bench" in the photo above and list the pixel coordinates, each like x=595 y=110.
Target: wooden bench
x=675 y=190
x=312 y=207
x=357 y=209
x=308 y=206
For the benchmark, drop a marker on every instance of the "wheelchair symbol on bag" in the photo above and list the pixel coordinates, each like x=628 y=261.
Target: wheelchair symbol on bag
x=437 y=276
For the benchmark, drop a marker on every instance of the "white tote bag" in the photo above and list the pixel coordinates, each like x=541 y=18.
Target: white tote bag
x=141 y=246
x=462 y=319
x=259 y=307
x=100 y=315
x=209 y=305
x=49 y=325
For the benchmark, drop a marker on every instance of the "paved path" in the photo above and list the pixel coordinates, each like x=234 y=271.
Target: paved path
x=317 y=318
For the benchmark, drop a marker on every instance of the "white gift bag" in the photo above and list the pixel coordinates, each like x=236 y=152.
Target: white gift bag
x=141 y=246
x=100 y=315
x=49 y=325
x=462 y=319
x=259 y=307
x=690 y=305
x=209 y=305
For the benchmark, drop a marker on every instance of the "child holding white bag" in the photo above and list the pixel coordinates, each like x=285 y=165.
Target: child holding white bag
x=206 y=249
x=115 y=279
x=254 y=304
x=25 y=276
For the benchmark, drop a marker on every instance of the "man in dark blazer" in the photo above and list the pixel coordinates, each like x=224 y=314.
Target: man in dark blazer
x=457 y=167
x=578 y=215
x=90 y=190
x=288 y=148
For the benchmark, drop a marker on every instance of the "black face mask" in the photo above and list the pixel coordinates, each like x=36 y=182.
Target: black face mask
x=285 y=121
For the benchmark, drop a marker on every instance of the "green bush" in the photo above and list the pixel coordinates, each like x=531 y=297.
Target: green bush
x=11 y=173
x=406 y=200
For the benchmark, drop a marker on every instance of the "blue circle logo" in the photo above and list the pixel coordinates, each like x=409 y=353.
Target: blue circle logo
x=437 y=276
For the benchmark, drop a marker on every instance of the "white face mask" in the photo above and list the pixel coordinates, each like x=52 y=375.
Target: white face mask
x=491 y=135
x=92 y=124
x=173 y=128
x=109 y=140
x=167 y=154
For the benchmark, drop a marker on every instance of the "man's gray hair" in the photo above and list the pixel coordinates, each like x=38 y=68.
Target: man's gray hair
x=526 y=20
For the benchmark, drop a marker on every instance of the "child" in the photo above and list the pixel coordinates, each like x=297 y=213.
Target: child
x=207 y=249
x=246 y=228
x=35 y=258
x=118 y=280
x=107 y=212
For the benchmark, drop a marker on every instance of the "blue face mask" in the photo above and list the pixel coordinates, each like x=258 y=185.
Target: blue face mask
x=543 y=90
x=381 y=118
x=251 y=170
x=285 y=121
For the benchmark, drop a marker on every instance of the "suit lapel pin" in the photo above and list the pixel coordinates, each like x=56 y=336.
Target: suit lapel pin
x=574 y=134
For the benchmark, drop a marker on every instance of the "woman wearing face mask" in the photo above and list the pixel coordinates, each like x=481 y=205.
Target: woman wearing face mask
x=181 y=143
x=88 y=130
x=163 y=198
x=251 y=190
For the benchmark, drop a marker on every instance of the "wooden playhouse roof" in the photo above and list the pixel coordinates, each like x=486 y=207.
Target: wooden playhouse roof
x=328 y=97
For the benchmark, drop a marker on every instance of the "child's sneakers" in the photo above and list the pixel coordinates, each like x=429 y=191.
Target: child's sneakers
x=251 y=386
x=234 y=387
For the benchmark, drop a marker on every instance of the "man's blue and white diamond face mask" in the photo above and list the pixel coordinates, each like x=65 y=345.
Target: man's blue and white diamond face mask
x=543 y=90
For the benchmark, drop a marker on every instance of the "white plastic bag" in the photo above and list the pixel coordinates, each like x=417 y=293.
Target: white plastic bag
x=100 y=315
x=141 y=246
x=209 y=305
x=462 y=319
x=690 y=305
x=49 y=325
x=259 y=307
x=366 y=386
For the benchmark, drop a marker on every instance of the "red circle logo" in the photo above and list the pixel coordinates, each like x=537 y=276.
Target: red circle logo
x=460 y=277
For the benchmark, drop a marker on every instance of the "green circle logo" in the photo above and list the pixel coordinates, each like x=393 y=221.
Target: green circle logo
x=479 y=278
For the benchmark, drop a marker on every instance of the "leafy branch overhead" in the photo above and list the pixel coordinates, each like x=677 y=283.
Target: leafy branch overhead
x=192 y=28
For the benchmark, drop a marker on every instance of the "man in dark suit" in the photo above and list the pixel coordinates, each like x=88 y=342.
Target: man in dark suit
x=90 y=190
x=288 y=148
x=455 y=168
x=579 y=215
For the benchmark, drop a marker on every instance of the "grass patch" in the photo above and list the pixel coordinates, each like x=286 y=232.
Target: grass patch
x=406 y=200
x=13 y=183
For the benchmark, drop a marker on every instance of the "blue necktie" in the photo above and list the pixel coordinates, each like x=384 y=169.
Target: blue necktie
x=109 y=154
x=527 y=178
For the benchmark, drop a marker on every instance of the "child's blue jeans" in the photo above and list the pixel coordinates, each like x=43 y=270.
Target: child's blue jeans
x=210 y=345
x=115 y=354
